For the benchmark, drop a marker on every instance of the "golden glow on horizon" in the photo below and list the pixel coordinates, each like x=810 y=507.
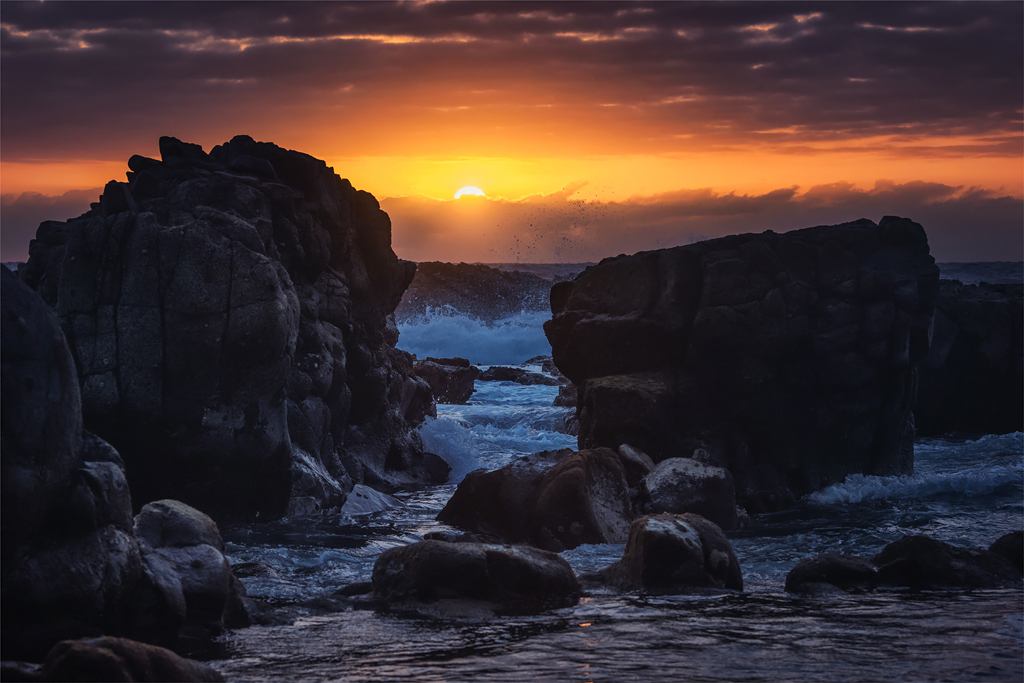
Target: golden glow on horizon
x=470 y=190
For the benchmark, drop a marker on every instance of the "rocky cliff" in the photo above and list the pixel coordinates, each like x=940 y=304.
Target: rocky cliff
x=788 y=359
x=231 y=318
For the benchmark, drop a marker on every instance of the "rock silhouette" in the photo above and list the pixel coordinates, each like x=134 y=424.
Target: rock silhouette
x=789 y=359
x=231 y=317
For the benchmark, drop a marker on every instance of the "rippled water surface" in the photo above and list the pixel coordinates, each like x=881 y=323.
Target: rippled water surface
x=967 y=492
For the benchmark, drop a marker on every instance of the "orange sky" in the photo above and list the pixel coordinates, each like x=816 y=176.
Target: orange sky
x=615 y=105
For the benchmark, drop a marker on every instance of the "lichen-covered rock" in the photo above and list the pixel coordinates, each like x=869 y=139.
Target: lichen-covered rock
x=923 y=563
x=231 y=318
x=554 y=500
x=507 y=579
x=685 y=485
x=973 y=377
x=832 y=571
x=120 y=659
x=673 y=554
x=793 y=355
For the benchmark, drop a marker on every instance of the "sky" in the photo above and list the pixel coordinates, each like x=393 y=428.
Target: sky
x=593 y=128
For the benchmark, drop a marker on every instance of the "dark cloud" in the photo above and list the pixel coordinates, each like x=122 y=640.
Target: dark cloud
x=785 y=73
x=963 y=224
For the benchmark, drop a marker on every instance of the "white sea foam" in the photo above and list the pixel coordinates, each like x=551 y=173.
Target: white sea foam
x=446 y=333
x=969 y=482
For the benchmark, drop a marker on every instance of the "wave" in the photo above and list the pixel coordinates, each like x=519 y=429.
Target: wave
x=445 y=333
x=971 y=482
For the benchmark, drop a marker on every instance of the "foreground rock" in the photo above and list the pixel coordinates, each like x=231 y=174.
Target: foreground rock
x=473 y=290
x=554 y=500
x=451 y=380
x=920 y=563
x=973 y=377
x=915 y=562
x=674 y=554
x=502 y=579
x=72 y=563
x=230 y=315
x=790 y=359
x=832 y=571
x=119 y=659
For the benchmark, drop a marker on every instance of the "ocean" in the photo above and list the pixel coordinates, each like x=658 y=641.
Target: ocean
x=966 y=490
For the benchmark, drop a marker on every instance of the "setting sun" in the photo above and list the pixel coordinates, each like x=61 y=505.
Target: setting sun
x=469 y=189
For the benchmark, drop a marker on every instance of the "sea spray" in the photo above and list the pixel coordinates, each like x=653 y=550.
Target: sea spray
x=445 y=333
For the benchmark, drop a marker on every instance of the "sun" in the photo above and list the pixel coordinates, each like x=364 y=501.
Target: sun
x=469 y=189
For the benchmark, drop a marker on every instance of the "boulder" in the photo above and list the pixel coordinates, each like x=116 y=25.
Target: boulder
x=1011 y=546
x=451 y=380
x=669 y=553
x=922 y=563
x=554 y=500
x=120 y=659
x=502 y=373
x=505 y=579
x=794 y=355
x=568 y=396
x=231 y=319
x=189 y=575
x=680 y=485
x=972 y=379
x=473 y=290
x=831 y=571
x=70 y=564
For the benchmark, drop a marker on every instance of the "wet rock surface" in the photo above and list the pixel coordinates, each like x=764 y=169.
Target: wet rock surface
x=505 y=579
x=119 y=659
x=502 y=373
x=973 y=377
x=674 y=554
x=791 y=358
x=832 y=571
x=922 y=563
x=230 y=315
x=451 y=380
x=684 y=485
x=1011 y=546
x=554 y=500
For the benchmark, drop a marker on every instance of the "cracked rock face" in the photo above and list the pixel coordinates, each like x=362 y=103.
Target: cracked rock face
x=788 y=359
x=231 y=318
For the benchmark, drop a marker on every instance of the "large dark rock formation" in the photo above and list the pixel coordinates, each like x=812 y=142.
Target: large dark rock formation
x=452 y=380
x=72 y=565
x=230 y=315
x=474 y=290
x=973 y=377
x=790 y=359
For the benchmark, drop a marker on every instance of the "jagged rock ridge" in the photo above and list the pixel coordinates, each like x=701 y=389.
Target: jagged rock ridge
x=231 y=318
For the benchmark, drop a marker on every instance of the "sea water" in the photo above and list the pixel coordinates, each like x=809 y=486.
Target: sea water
x=966 y=491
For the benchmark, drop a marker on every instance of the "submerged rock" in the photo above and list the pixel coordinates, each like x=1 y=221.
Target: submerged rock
x=674 y=554
x=504 y=579
x=554 y=500
x=831 y=571
x=1011 y=546
x=120 y=659
x=230 y=315
x=791 y=356
x=973 y=377
x=922 y=563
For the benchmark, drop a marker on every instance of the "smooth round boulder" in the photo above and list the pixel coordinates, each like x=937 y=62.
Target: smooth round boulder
x=506 y=579
x=675 y=554
x=1011 y=546
x=120 y=659
x=831 y=570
